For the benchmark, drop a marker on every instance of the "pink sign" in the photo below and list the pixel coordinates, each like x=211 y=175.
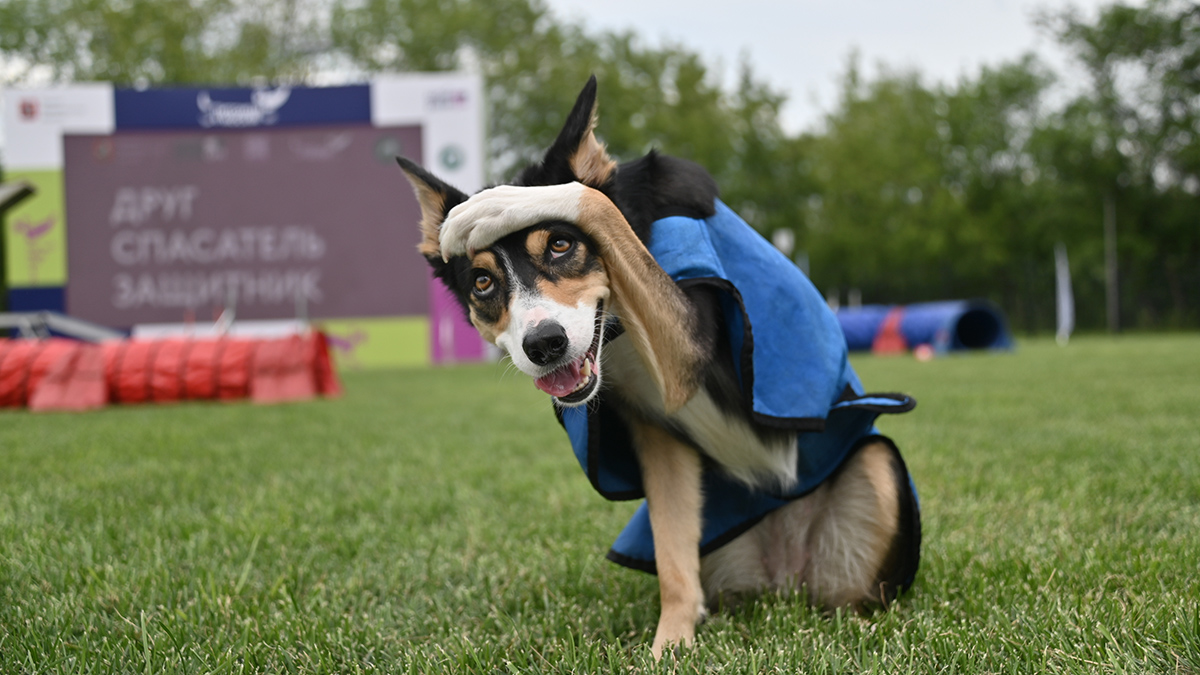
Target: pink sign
x=454 y=338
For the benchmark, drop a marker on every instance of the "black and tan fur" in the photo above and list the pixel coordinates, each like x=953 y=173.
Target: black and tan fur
x=671 y=376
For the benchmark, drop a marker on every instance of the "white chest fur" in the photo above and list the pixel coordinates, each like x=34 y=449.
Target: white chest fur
x=726 y=439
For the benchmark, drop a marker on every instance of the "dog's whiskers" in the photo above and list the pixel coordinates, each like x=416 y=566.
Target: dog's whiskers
x=508 y=368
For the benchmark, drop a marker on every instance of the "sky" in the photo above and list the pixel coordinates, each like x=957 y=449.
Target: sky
x=801 y=47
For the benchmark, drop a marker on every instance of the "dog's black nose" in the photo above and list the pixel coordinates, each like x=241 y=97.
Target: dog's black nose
x=545 y=343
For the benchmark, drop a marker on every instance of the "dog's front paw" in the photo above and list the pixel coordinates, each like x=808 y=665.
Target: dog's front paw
x=476 y=223
x=497 y=212
x=676 y=629
x=677 y=640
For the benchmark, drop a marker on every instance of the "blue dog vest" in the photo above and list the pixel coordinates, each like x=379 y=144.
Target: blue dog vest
x=791 y=359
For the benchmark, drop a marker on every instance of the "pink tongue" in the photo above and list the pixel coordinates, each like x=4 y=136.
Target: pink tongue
x=562 y=381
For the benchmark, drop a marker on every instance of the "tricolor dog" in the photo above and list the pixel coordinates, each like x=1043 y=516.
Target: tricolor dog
x=691 y=364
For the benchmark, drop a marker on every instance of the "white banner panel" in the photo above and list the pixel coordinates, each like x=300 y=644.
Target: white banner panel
x=449 y=106
x=36 y=119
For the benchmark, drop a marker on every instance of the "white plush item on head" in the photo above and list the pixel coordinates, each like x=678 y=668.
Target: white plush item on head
x=496 y=212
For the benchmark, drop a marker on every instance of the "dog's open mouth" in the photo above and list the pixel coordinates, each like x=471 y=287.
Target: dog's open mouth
x=575 y=381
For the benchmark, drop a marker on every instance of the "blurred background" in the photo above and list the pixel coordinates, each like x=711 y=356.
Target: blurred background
x=908 y=151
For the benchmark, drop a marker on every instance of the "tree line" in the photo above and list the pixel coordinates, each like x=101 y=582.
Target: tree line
x=907 y=191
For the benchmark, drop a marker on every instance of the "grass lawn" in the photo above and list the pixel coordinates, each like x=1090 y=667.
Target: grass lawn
x=435 y=520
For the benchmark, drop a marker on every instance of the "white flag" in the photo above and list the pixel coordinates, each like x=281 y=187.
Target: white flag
x=1064 y=298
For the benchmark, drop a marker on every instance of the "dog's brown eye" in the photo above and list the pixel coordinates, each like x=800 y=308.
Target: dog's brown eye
x=483 y=285
x=559 y=246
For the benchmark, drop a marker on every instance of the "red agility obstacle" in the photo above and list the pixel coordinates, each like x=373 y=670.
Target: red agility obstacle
x=60 y=374
x=890 y=339
x=55 y=374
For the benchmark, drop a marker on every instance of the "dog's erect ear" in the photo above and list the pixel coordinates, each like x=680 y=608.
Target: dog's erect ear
x=586 y=156
x=436 y=199
x=576 y=155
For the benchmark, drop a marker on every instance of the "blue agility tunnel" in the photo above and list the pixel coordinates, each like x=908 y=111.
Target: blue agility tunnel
x=946 y=326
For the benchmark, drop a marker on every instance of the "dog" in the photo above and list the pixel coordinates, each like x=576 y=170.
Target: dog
x=691 y=364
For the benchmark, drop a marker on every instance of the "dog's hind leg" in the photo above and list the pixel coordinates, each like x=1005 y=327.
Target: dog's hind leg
x=671 y=476
x=771 y=556
x=862 y=541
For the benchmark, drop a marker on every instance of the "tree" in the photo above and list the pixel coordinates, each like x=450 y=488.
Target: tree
x=162 y=41
x=878 y=164
x=661 y=97
x=931 y=192
x=1141 y=120
x=1009 y=228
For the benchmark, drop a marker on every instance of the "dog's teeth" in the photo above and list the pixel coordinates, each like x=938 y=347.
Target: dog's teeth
x=582 y=383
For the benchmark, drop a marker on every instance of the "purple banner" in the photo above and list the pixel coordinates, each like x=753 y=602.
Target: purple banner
x=163 y=225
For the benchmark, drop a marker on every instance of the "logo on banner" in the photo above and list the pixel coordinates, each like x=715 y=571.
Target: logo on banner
x=262 y=110
x=447 y=99
x=29 y=109
x=36 y=246
x=103 y=149
x=452 y=157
